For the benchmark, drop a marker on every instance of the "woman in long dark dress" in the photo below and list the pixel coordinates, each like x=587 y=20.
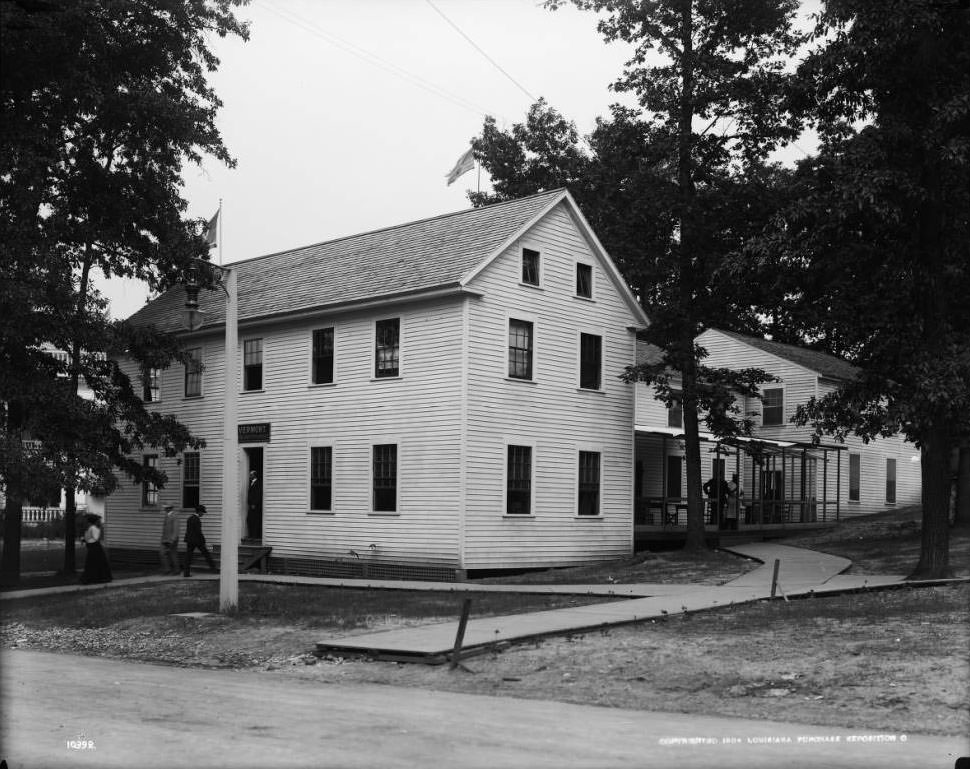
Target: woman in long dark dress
x=96 y=568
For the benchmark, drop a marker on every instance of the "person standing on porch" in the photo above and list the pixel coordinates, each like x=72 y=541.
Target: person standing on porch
x=735 y=492
x=254 y=503
x=170 y=542
x=195 y=540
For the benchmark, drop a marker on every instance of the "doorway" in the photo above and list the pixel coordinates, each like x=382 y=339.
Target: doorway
x=254 y=494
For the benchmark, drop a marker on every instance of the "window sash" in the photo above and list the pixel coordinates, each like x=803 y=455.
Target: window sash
x=589 y=483
x=890 y=480
x=253 y=364
x=193 y=373
x=191 y=479
x=323 y=356
x=773 y=405
x=520 y=349
x=385 y=478
x=387 y=352
x=518 y=480
x=149 y=491
x=151 y=385
x=855 y=477
x=584 y=280
x=321 y=478
x=590 y=361
x=530 y=266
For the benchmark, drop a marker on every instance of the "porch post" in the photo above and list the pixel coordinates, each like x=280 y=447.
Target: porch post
x=825 y=485
x=838 y=484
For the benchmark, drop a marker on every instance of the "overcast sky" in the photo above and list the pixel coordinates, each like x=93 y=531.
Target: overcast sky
x=346 y=115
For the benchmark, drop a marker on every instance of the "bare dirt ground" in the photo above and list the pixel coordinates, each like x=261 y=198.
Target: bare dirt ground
x=891 y=660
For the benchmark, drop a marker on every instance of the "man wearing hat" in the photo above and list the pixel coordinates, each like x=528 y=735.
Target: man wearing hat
x=195 y=540
x=170 y=542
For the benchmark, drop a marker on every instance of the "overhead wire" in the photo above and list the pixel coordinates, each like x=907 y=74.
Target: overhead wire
x=312 y=28
x=481 y=51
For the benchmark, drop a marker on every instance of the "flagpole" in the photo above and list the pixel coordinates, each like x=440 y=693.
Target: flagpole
x=220 y=232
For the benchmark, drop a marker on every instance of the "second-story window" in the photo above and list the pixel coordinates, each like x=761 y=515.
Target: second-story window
x=675 y=412
x=590 y=361
x=193 y=373
x=530 y=266
x=773 y=406
x=253 y=364
x=322 y=356
x=584 y=280
x=387 y=352
x=151 y=379
x=520 y=349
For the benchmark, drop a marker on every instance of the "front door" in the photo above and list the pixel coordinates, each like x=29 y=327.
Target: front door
x=254 y=493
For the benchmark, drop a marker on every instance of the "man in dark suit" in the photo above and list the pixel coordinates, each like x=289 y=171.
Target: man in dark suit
x=254 y=503
x=195 y=540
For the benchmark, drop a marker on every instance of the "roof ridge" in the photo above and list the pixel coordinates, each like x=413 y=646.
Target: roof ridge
x=389 y=228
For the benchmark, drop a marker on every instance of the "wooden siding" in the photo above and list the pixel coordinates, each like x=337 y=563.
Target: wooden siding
x=419 y=411
x=551 y=413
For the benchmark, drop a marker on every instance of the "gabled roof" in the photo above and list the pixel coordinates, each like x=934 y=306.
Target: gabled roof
x=823 y=364
x=410 y=259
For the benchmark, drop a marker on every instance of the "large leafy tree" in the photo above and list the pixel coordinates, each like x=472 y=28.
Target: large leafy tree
x=675 y=186
x=103 y=103
x=878 y=241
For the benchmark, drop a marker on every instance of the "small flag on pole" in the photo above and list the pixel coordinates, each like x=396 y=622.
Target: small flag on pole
x=465 y=164
x=211 y=229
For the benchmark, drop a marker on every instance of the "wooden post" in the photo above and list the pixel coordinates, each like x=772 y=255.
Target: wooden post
x=774 y=578
x=460 y=636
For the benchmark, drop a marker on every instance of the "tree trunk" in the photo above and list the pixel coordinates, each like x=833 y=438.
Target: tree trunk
x=12 y=523
x=934 y=560
x=962 y=517
x=692 y=450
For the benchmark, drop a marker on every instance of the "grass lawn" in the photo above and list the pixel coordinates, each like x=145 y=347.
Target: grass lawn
x=889 y=660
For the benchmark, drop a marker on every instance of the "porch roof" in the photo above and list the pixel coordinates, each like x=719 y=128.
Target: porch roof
x=738 y=441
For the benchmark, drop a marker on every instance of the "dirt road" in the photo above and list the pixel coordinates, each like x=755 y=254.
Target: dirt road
x=66 y=711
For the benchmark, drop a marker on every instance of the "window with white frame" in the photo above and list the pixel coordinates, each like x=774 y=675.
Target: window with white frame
x=323 y=356
x=520 y=349
x=151 y=380
x=891 y=480
x=584 y=280
x=590 y=361
x=149 y=491
x=855 y=477
x=518 y=480
x=191 y=478
x=589 y=483
x=385 y=478
x=252 y=364
x=675 y=412
x=530 y=266
x=387 y=348
x=773 y=406
x=193 y=373
x=321 y=478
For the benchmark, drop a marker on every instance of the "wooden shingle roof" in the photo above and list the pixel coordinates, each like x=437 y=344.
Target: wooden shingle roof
x=825 y=365
x=414 y=258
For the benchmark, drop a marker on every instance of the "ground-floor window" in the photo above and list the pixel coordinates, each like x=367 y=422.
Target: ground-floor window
x=321 y=478
x=518 y=483
x=191 y=477
x=855 y=476
x=385 y=478
x=149 y=491
x=589 y=483
x=890 y=480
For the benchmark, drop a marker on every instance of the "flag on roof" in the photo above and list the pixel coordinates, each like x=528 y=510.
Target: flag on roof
x=465 y=164
x=211 y=229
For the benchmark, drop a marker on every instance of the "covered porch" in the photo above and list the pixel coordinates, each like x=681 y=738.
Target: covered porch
x=779 y=484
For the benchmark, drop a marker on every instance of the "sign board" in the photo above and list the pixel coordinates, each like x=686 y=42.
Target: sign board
x=258 y=432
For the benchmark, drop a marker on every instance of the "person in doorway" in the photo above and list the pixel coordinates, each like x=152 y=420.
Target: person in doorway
x=169 y=551
x=96 y=568
x=735 y=493
x=717 y=493
x=254 y=504
x=195 y=540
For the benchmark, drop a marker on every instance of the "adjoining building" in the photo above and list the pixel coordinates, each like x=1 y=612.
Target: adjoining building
x=787 y=479
x=423 y=400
